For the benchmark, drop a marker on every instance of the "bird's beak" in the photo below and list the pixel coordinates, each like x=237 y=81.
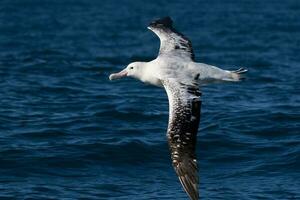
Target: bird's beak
x=119 y=75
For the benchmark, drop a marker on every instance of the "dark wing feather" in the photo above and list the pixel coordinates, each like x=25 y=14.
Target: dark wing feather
x=184 y=117
x=171 y=41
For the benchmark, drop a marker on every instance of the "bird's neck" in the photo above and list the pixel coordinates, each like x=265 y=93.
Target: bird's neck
x=148 y=75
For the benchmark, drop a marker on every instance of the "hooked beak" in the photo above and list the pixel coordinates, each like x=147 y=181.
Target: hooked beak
x=119 y=75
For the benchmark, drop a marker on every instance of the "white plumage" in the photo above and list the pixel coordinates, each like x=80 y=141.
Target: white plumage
x=175 y=69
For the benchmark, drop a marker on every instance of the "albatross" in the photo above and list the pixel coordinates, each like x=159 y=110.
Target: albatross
x=176 y=71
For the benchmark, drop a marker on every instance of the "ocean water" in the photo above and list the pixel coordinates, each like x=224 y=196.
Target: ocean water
x=67 y=132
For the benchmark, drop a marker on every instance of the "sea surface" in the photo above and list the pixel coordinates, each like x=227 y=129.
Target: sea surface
x=67 y=132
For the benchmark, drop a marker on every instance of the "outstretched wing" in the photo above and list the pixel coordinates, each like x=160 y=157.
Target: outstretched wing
x=171 y=41
x=184 y=117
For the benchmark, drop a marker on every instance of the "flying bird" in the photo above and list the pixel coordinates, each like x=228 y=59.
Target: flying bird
x=176 y=71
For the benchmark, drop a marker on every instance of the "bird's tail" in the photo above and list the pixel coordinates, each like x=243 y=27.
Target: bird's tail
x=238 y=75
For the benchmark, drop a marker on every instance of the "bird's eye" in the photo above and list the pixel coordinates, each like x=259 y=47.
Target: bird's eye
x=131 y=68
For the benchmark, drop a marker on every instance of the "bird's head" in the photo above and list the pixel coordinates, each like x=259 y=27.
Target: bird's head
x=134 y=70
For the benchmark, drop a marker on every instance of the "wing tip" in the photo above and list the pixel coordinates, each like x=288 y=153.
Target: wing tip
x=187 y=173
x=164 y=21
x=190 y=189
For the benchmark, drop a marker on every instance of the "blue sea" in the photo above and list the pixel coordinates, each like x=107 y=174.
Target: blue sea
x=67 y=132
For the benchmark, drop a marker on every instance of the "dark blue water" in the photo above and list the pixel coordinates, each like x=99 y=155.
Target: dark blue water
x=67 y=132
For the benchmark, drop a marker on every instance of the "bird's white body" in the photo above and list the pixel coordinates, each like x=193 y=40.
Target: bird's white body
x=189 y=72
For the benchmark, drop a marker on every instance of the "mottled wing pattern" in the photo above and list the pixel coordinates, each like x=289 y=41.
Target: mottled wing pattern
x=171 y=41
x=184 y=117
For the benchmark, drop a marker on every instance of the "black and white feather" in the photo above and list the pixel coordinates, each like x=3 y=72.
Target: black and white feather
x=171 y=41
x=175 y=70
x=184 y=117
